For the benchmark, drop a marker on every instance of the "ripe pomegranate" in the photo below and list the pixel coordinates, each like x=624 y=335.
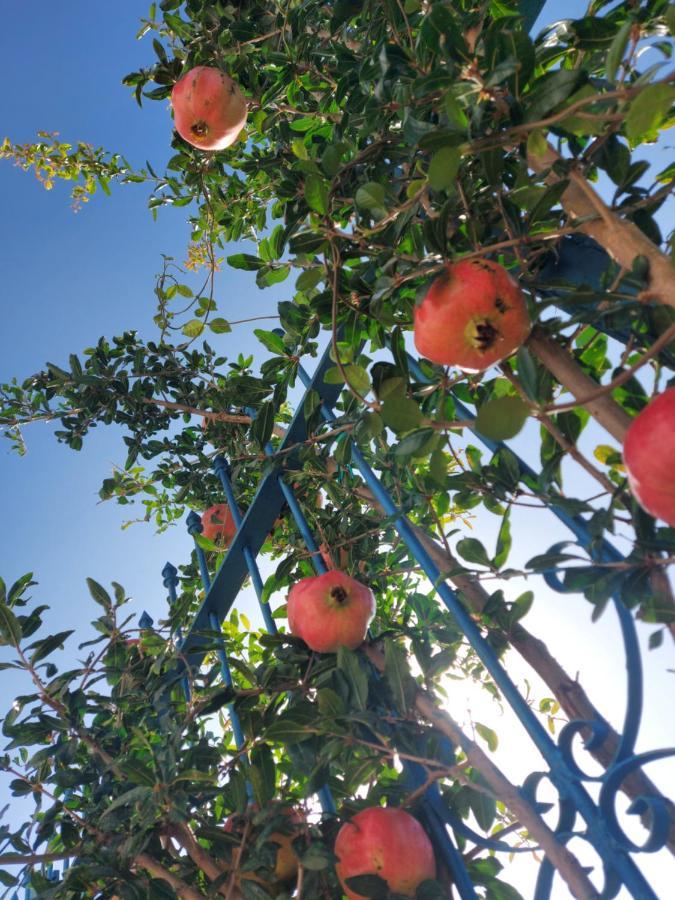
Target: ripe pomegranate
x=209 y=108
x=286 y=862
x=330 y=611
x=473 y=315
x=218 y=524
x=649 y=456
x=388 y=842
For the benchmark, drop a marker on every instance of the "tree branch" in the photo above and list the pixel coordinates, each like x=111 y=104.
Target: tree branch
x=622 y=239
x=565 y=862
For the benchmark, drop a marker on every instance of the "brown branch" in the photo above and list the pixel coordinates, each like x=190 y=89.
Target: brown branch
x=199 y=856
x=573 y=699
x=232 y=418
x=31 y=859
x=184 y=891
x=658 y=345
x=622 y=239
x=571 y=376
x=565 y=862
x=557 y=435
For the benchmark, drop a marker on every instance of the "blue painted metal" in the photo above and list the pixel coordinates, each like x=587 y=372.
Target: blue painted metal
x=600 y=824
x=256 y=525
x=599 y=551
x=529 y=10
x=568 y=785
x=222 y=470
x=194 y=526
x=170 y=582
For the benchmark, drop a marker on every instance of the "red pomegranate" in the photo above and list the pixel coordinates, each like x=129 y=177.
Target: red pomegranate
x=330 y=611
x=388 y=842
x=218 y=524
x=472 y=316
x=209 y=108
x=649 y=456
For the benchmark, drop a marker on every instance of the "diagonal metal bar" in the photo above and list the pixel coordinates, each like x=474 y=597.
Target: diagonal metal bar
x=568 y=787
x=255 y=526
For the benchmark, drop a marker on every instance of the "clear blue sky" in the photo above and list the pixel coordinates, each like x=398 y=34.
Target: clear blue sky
x=68 y=279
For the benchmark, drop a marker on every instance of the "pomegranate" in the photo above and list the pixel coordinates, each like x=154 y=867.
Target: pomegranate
x=649 y=456
x=209 y=108
x=472 y=316
x=388 y=842
x=218 y=525
x=330 y=611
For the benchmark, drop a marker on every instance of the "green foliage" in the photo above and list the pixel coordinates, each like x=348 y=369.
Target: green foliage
x=383 y=139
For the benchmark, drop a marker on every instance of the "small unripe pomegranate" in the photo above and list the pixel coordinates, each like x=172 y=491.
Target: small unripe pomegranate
x=218 y=524
x=388 y=842
x=286 y=861
x=209 y=108
x=472 y=316
x=330 y=611
x=649 y=456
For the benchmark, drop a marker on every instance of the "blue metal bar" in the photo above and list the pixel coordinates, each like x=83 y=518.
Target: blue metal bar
x=170 y=582
x=255 y=527
x=602 y=552
x=568 y=787
x=303 y=526
x=222 y=470
x=194 y=525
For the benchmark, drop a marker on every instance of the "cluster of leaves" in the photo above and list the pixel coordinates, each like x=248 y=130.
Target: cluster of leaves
x=384 y=138
x=126 y=753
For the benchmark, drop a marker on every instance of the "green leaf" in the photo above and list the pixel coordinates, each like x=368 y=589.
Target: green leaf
x=502 y=418
x=269 y=275
x=193 y=328
x=140 y=794
x=430 y=890
x=488 y=735
x=99 y=594
x=398 y=675
x=527 y=372
x=503 y=543
x=330 y=703
x=655 y=639
x=220 y=326
x=483 y=807
x=310 y=278
x=648 y=111
x=401 y=413
x=550 y=91
x=371 y=886
x=44 y=647
x=370 y=196
x=292 y=726
x=417 y=443
x=473 y=551
x=263 y=424
x=617 y=49
x=262 y=773
x=272 y=341
x=245 y=261
x=10 y=629
x=444 y=167
x=357 y=377
x=316 y=194
x=350 y=664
